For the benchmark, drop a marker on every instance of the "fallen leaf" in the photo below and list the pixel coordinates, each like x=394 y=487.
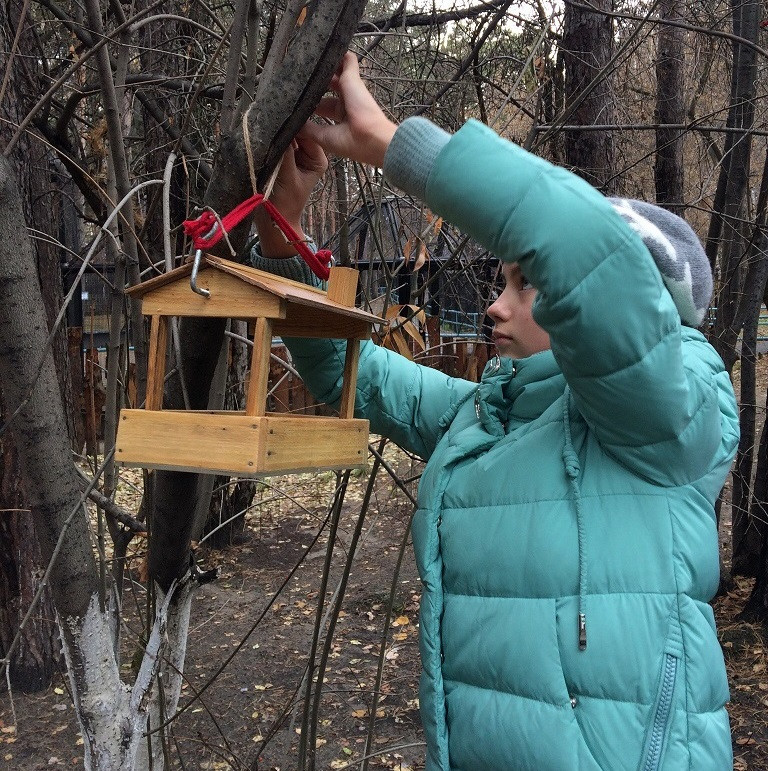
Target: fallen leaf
x=422 y=256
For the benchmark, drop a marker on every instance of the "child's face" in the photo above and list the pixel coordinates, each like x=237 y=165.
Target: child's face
x=515 y=333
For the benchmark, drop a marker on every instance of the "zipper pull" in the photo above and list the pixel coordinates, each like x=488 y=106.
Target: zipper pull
x=582 y=632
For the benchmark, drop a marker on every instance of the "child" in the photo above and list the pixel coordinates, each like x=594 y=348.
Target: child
x=565 y=534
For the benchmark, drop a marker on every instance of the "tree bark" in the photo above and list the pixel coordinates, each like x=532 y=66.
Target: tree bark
x=725 y=243
x=587 y=46
x=34 y=663
x=37 y=652
x=112 y=715
x=746 y=530
x=756 y=608
x=670 y=109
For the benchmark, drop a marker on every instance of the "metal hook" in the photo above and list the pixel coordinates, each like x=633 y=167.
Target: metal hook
x=193 y=277
x=196 y=266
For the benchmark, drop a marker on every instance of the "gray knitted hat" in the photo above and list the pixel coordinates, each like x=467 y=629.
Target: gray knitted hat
x=678 y=254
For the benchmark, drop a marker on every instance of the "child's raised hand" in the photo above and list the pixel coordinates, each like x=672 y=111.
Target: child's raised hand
x=359 y=130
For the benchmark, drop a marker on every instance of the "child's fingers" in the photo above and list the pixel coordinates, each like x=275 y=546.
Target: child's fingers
x=310 y=156
x=330 y=107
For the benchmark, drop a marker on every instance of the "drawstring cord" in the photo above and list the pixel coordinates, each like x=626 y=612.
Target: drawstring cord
x=572 y=469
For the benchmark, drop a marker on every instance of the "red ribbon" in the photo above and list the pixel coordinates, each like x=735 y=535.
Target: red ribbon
x=205 y=232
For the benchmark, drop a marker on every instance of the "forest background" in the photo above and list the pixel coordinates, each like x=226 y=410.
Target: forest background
x=118 y=120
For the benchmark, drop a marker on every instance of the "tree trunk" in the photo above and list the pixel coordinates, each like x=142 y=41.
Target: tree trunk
x=668 y=167
x=34 y=663
x=295 y=76
x=724 y=237
x=745 y=529
x=587 y=46
x=225 y=520
x=756 y=608
x=112 y=715
x=37 y=653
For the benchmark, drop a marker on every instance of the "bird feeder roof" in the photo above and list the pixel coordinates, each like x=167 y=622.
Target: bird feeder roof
x=240 y=291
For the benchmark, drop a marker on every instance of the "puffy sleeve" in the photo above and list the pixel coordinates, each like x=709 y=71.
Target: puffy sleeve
x=656 y=396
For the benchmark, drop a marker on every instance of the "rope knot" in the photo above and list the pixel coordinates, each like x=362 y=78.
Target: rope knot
x=204 y=233
x=571 y=463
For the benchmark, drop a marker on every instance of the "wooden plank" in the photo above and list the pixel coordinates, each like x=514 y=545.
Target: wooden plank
x=351 y=362
x=165 y=278
x=342 y=286
x=293 y=291
x=302 y=321
x=258 y=381
x=158 y=348
x=190 y=441
x=94 y=398
x=251 y=280
x=302 y=444
x=230 y=298
x=435 y=352
x=239 y=444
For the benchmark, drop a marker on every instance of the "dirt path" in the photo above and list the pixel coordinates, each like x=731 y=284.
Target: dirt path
x=255 y=691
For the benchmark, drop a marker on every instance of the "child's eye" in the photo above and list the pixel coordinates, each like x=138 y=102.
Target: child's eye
x=524 y=283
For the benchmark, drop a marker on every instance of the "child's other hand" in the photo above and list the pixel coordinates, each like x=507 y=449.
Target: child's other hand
x=303 y=164
x=359 y=130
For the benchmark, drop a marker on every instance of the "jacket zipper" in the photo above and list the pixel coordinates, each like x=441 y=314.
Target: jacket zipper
x=663 y=709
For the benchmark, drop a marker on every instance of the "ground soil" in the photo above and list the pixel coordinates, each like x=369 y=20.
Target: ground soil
x=249 y=668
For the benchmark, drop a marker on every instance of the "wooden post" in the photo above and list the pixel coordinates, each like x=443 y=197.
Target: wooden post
x=158 y=344
x=256 y=401
x=342 y=286
x=351 y=361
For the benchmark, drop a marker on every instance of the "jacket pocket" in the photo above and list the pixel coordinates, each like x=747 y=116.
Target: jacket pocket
x=655 y=742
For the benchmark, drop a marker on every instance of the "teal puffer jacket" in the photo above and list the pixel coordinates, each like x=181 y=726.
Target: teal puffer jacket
x=565 y=534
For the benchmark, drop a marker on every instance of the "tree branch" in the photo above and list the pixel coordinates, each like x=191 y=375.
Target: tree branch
x=671 y=23
x=113 y=509
x=428 y=19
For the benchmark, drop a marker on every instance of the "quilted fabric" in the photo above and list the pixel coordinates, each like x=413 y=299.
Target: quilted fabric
x=578 y=480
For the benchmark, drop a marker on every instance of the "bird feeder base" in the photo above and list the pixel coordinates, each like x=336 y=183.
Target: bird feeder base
x=237 y=444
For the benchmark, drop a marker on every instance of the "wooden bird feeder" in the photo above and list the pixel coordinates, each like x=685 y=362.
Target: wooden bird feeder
x=253 y=442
